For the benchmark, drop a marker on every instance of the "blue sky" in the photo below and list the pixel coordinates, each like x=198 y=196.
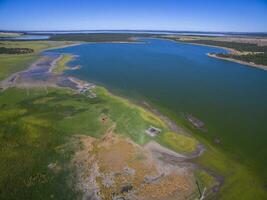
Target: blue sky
x=192 y=15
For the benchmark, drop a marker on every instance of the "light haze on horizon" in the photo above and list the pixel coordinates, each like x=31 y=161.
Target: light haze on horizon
x=180 y=15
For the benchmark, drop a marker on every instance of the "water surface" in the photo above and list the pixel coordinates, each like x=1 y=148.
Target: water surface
x=27 y=37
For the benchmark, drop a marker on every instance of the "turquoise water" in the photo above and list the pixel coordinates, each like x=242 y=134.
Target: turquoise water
x=231 y=99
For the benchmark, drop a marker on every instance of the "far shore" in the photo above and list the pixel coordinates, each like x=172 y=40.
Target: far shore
x=233 y=51
x=264 y=67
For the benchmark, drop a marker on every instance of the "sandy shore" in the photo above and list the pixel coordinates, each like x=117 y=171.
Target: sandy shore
x=264 y=67
x=66 y=45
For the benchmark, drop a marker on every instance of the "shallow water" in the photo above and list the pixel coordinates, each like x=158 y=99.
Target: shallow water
x=230 y=98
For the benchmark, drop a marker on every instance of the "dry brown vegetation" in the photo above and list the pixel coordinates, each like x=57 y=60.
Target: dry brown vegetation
x=115 y=167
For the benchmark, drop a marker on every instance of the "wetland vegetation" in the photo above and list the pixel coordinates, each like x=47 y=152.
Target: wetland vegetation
x=37 y=128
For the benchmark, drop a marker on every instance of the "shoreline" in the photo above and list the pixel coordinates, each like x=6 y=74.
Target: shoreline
x=197 y=44
x=11 y=81
x=263 y=67
x=232 y=51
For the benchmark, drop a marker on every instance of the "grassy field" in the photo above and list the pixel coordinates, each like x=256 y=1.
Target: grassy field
x=37 y=129
x=10 y=64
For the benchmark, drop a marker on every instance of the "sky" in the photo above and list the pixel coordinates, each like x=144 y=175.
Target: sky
x=181 y=15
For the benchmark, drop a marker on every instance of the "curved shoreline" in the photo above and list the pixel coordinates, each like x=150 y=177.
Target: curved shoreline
x=26 y=78
x=208 y=45
x=263 y=67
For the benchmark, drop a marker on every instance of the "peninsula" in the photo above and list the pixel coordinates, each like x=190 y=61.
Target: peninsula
x=243 y=49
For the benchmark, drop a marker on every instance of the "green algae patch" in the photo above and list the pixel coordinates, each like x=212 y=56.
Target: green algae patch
x=178 y=142
x=61 y=64
x=239 y=181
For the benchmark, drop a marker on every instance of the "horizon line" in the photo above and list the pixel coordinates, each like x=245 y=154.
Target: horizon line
x=135 y=30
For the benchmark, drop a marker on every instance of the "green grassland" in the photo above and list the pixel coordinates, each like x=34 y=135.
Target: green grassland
x=37 y=128
x=10 y=64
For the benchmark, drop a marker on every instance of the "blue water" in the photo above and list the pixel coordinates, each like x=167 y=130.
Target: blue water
x=27 y=37
x=230 y=98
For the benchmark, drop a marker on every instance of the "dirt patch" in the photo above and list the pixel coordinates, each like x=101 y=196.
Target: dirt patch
x=114 y=167
x=172 y=186
x=104 y=119
x=82 y=162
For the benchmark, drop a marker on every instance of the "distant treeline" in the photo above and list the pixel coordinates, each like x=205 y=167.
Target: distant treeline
x=253 y=57
x=97 y=37
x=4 y=50
x=234 y=45
x=260 y=58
